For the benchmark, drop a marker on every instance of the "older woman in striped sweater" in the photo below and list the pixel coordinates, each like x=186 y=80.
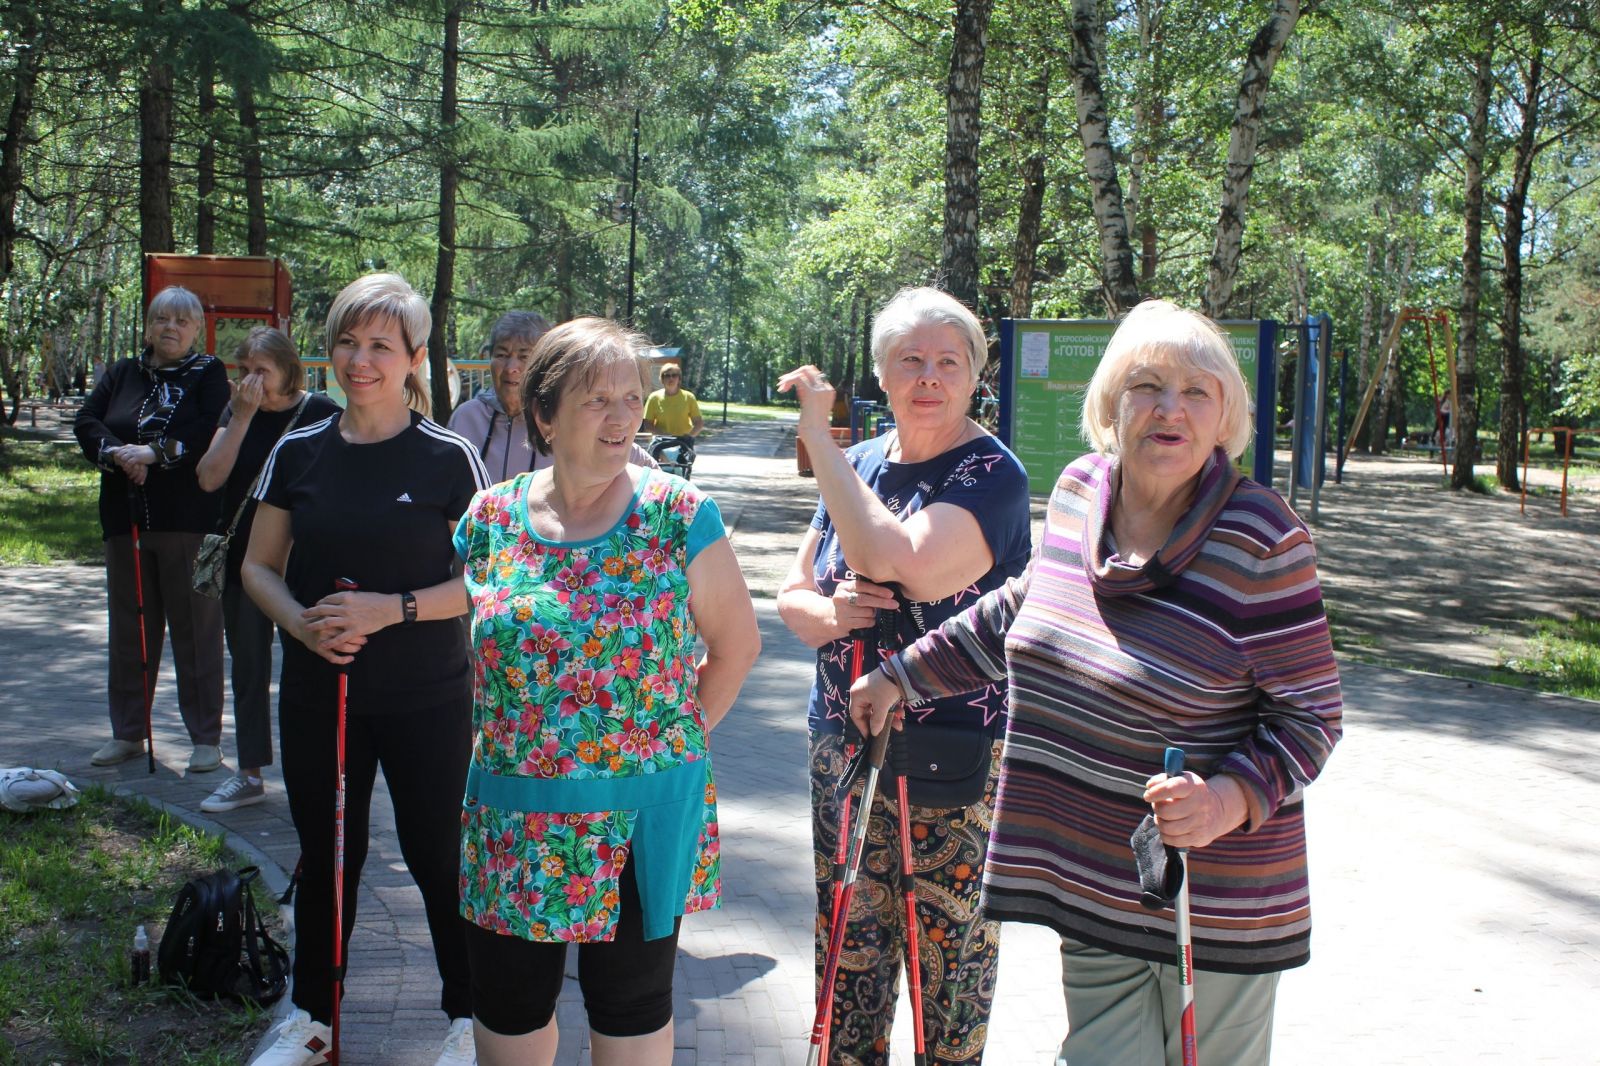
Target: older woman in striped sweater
x=1172 y=602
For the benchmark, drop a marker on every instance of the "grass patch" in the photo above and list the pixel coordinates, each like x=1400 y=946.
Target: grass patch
x=1563 y=657
x=49 y=509
x=73 y=886
x=711 y=411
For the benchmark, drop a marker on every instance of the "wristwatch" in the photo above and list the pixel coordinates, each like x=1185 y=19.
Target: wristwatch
x=408 y=608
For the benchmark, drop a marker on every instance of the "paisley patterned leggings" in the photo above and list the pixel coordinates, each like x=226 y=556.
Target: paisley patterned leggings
x=959 y=952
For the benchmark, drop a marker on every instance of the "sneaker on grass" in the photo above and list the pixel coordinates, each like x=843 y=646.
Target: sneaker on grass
x=236 y=791
x=301 y=1042
x=459 y=1048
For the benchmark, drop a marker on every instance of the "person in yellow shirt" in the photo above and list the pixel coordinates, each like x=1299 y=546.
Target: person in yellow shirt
x=672 y=410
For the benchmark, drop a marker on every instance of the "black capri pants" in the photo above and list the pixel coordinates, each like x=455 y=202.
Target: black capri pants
x=626 y=982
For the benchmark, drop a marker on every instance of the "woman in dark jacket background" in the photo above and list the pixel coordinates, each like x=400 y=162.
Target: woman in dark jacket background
x=145 y=426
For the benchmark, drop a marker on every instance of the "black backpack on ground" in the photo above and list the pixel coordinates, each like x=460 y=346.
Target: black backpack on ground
x=215 y=944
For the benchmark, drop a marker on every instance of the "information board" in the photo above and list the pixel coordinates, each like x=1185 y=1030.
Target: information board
x=1045 y=367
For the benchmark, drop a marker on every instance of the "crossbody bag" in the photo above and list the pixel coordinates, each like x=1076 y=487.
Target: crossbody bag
x=211 y=561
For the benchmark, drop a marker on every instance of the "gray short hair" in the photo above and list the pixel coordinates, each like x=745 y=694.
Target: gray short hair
x=517 y=326
x=1161 y=332
x=385 y=296
x=175 y=298
x=924 y=306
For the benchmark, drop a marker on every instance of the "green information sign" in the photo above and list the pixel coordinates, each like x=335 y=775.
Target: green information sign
x=1045 y=367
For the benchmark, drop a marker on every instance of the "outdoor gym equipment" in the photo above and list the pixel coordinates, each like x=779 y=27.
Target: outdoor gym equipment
x=1566 y=462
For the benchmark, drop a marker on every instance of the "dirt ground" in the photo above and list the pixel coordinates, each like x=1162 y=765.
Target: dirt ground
x=1414 y=575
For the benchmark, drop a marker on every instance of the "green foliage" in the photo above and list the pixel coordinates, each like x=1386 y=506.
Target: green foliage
x=48 y=505
x=1564 y=657
x=791 y=168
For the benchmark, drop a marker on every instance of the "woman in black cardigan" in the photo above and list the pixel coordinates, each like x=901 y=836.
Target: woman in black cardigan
x=145 y=426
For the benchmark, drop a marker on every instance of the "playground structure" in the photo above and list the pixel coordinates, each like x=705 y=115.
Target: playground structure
x=1388 y=361
x=1566 y=432
x=237 y=292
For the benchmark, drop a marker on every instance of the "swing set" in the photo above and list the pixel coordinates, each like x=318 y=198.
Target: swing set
x=1390 y=358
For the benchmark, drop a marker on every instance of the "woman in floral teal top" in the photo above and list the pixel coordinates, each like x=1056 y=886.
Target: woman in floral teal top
x=590 y=814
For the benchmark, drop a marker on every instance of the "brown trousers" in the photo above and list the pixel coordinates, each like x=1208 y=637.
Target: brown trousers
x=166 y=562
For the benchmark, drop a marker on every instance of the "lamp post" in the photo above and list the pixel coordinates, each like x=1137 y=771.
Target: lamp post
x=727 y=359
x=633 y=213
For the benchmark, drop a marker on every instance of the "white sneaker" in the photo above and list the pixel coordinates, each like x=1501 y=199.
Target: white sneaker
x=301 y=1042
x=459 y=1048
x=236 y=791
x=205 y=758
x=114 y=751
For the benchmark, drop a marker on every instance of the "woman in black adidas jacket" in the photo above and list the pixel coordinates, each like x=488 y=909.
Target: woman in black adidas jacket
x=372 y=494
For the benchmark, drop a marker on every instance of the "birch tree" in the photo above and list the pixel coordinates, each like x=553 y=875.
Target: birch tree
x=1259 y=62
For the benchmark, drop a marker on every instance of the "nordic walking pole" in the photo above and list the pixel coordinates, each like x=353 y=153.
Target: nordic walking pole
x=908 y=887
x=343 y=584
x=144 y=646
x=858 y=843
x=1180 y=906
x=858 y=652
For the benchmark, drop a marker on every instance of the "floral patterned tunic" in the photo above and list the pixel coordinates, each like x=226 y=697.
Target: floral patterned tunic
x=589 y=748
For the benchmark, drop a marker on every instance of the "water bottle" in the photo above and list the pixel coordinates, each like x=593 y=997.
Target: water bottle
x=140 y=962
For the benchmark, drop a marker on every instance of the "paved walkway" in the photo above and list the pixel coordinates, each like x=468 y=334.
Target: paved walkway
x=1454 y=850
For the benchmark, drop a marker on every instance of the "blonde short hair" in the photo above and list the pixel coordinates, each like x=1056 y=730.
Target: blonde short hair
x=924 y=306
x=386 y=296
x=1165 y=334
x=175 y=298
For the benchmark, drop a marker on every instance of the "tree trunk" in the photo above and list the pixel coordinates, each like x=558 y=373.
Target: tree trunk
x=1512 y=405
x=564 y=304
x=1364 y=336
x=255 y=195
x=1117 y=286
x=1223 y=267
x=1381 y=419
x=24 y=80
x=1149 y=115
x=155 y=144
x=1465 y=415
x=445 y=272
x=255 y=192
x=1030 y=207
x=858 y=304
x=958 y=257
x=205 y=223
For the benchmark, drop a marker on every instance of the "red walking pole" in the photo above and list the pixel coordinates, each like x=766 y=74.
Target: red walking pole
x=343 y=584
x=144 y=646
x=858 y=843
x=908 y=887
x=841 y=850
